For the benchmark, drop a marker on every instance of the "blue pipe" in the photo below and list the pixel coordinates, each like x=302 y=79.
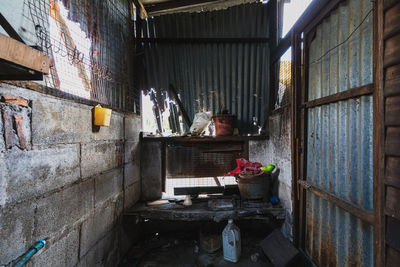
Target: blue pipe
x=32 y=251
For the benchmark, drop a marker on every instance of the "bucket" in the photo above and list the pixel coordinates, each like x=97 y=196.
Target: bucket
x=102 y=116
x=224 y=124
x=254 y=187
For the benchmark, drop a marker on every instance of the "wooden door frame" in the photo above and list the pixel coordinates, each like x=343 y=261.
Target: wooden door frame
x=299 y=123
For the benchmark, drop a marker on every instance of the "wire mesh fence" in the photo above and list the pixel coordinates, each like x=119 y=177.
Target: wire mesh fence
x=282 y=80
x=90 y=43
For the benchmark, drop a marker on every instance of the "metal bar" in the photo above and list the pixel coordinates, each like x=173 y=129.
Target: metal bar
x=348 y=94
x=349 y=207
x=202 y=40
x=9 y=29
x=180 y=104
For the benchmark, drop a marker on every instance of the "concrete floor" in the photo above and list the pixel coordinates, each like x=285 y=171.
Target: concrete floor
x=184 y=251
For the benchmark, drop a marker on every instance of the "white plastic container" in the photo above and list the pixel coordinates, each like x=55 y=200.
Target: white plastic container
x=231 y=243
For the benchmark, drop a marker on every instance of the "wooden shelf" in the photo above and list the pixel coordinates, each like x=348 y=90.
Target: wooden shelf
x=194 y=139
x=19 y=61
x=200 y=212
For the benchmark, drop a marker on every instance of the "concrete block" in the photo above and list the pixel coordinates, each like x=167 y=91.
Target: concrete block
x=60 y=121
x=16 y=229
x=63 y=252
x=132 y=195
x=133 y=126
x=132 y=151
x=32 y=173
x=96 y=227
x=63 y=208
x=107 y=185
x=132 y=174
x=151 y=170
x=103 y=253
x=99 y=157
x=113 y=132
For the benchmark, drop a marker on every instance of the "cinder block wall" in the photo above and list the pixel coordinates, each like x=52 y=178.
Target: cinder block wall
x=61 y=182
x=277 y=151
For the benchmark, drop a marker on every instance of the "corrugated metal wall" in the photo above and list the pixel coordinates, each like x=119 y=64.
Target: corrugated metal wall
x=213 y=75
x=340 y=138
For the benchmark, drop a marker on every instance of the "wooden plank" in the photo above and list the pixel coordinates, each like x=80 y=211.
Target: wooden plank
x=392 y=257
x=392 y=51
x=392 y=143
x=392 y=21
x=199 y=211
x=393 y=233
x=180 y=105
x=387 y=4
x=9 y=29
x=393 y=172
x=282 y=47
x=351 y=93
x=279 y=250
x=347 y=206
x=323 y=14
x=21 y=54
x=143 y=12
x=309 y=15
x=392 y=81
x=379 y=136
x=392 y=202
x=392 y=108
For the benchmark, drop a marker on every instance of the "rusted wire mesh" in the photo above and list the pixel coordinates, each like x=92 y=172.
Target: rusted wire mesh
x=90 y=43
x=282 y=80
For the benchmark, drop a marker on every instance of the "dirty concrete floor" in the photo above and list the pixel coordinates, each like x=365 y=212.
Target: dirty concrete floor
x=185 y=251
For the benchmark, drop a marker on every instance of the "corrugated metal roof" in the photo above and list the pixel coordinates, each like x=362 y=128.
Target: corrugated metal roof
x=339 y=149
x=213 y=75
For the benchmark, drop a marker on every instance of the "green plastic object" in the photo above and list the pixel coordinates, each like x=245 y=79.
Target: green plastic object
x=268 y=168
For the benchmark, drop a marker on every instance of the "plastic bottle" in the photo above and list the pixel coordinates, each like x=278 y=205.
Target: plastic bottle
x=231 y=242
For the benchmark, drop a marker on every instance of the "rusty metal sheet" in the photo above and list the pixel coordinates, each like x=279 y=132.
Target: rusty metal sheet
x=340 y=137
x=210 y=76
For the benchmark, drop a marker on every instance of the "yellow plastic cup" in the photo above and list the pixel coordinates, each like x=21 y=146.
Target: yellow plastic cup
x=102 y=116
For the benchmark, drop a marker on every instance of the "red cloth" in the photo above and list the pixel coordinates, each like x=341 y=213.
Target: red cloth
x=243 y=165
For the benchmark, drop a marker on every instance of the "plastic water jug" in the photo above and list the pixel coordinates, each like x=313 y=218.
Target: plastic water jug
x=231 y=242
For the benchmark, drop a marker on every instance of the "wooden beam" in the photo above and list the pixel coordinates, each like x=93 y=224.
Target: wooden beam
x=347 y=206
x=143 y=12
x=14 y=51
x=283 y=45
x=202 y=40
x=351 y=93
x=9 y=29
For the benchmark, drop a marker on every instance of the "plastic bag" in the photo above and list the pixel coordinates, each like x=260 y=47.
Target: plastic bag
x=244 y=165
x=200 y=122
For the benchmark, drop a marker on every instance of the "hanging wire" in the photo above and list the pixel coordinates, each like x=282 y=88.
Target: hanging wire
x=345 y=41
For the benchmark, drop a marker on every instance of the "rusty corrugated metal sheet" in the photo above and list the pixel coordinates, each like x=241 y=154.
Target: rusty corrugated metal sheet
x=339 y=145
x=210 y=76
